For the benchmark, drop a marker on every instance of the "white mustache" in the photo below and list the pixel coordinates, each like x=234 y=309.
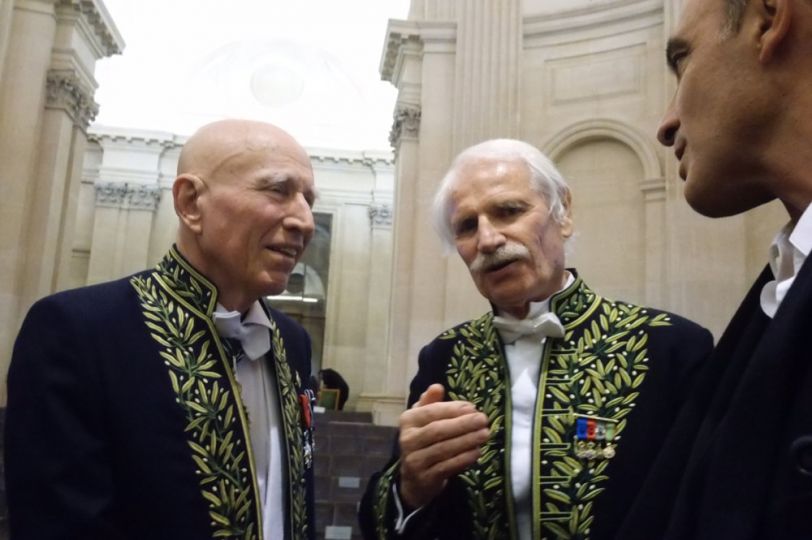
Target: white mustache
x=510 y=252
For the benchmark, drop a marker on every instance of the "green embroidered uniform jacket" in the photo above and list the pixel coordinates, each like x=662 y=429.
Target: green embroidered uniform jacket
x=607 y=394
x=124 y=419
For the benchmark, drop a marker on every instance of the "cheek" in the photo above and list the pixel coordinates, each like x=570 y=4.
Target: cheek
x=547 y=252
x=467 y=252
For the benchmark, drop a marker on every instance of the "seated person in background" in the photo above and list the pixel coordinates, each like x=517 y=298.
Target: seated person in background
x=331 y=379
x=541 y=418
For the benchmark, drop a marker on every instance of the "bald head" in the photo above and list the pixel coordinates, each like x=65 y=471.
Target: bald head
x=218 y=144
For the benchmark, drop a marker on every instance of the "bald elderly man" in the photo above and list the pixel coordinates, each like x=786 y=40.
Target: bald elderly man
x=169 y=404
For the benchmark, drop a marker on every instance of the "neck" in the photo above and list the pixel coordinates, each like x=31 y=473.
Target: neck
x=521 y=311
x=232 y=300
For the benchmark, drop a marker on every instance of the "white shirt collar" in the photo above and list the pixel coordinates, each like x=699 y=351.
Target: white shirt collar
x=254 y=315
x=788 y=251
x=259 y=395
x=542 y=306
x=801 y=237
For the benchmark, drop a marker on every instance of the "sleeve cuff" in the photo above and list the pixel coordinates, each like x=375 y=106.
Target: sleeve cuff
x=401 y=521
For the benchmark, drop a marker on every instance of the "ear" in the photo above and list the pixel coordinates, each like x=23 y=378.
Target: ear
x=776 y=16
x=186 y=192
x=566 y=222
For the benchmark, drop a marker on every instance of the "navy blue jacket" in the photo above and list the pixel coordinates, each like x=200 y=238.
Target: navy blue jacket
x=124 y=419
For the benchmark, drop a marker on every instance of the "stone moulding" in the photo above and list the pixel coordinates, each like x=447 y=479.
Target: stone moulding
x=616 y=130
x=65 y=91
x=99 y=21
x=381 y=215
x=127 y=196
x=406 y=123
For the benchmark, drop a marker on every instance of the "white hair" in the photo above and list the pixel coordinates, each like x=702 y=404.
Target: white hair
x=545 y=179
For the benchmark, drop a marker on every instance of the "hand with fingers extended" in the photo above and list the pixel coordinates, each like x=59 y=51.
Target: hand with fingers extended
x=438 y=439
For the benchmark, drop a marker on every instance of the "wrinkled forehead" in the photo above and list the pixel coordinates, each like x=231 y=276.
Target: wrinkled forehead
x=271 y=155
x=231 y=144
x=486 y=176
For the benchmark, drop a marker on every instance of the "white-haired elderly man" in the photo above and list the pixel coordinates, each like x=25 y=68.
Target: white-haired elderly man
x=541 y=418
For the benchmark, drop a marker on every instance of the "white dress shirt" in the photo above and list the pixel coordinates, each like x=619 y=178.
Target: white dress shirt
x=524 y=362
x=259 y=395
x=788 y=252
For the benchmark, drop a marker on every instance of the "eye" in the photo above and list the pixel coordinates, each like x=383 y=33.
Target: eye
x=509 y=210
x=677 y=61
x=676 y=53
x=274 y=189
x=465 y=227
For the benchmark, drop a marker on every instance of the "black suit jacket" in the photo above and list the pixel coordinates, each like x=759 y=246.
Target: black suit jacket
x=124 y=420
x=749 y=431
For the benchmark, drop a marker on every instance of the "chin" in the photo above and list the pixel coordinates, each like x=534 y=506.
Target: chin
x=504 y=300
x=719 y=206
x=274 y=287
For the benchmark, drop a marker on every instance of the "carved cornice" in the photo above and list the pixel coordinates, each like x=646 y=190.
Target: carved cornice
x=361 y=159
x=404 y=38
x=106 y=34
x=110 y=194
x=128 y=196
x=134 y=137
x=143 y=197
x=65 y=91
x=398 y=34
x=380 y=215
x=406 y=124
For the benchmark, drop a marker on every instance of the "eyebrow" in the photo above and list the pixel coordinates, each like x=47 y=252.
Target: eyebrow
x=674 y=47
x=284 y=178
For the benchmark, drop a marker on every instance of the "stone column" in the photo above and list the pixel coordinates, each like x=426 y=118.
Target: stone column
x=122 y=229
x=486 y=105
x=69 y=108
x=401 y=63
x=48 y=49
x=6 y=15
x=165 y=222
x=22 y=91
x=486 y=96
x=654 y=208
x=82 y=36
x=404 y=141
x=384 y=407
x=431 y=292
x=135 y=172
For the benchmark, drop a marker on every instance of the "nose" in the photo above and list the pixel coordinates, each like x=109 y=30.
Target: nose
x=489 y=238
x=669 y=125
x=300 y=216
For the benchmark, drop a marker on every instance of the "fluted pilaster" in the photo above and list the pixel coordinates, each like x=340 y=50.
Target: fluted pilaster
x=489 y=40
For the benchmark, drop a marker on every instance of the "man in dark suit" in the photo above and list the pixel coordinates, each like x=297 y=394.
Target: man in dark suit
x=740 y=124
x=169 y=404
x=541 y=418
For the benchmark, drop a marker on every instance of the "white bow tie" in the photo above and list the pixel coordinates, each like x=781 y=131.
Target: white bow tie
x=546 y=324
x=254 y=337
